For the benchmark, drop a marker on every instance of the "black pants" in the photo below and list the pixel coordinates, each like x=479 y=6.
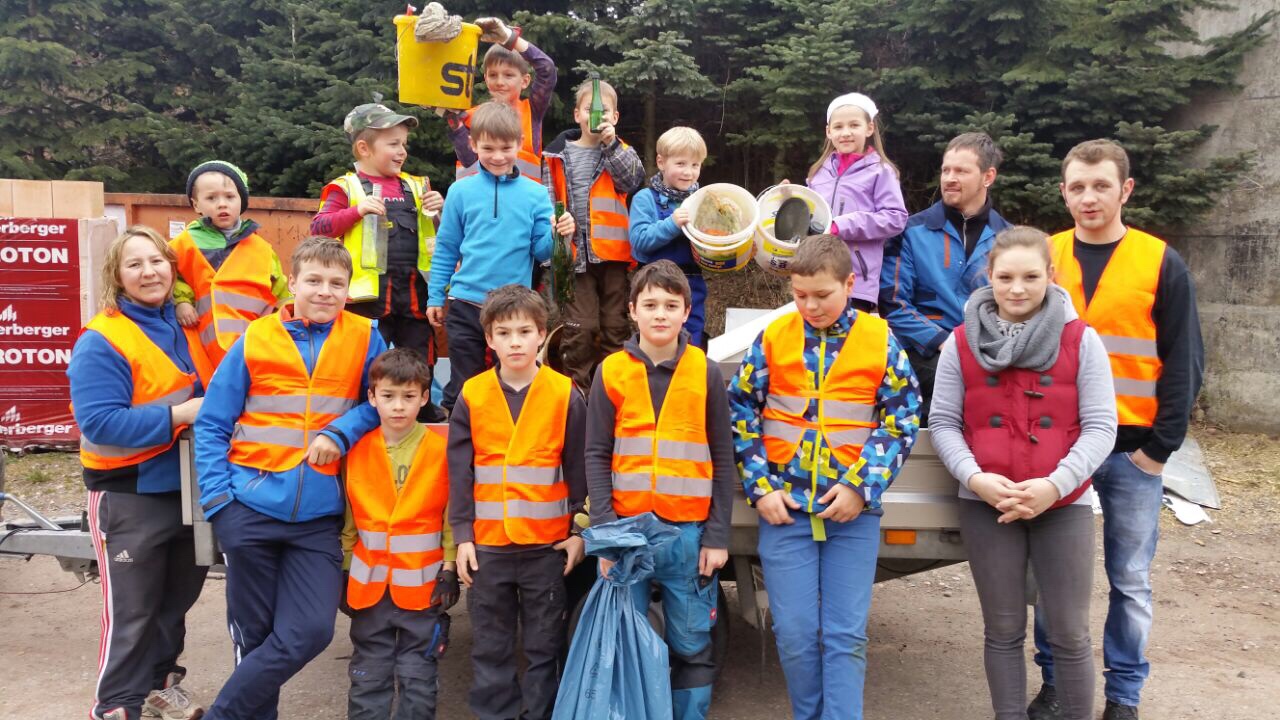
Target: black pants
x=146 y=558
x=926 y=368
x=526 y=586
x=466 y=347
x=393 y=649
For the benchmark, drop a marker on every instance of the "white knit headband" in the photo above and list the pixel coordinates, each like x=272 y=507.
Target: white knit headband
x=858 y=100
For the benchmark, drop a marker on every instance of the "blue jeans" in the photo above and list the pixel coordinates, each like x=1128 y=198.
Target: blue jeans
x=1131 y=501
x=690 y=612
x=819 y=596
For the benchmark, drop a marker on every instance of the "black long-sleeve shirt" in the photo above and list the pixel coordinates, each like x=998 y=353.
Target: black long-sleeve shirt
x=1178 y=344
x=602 y=415
x=461 y=457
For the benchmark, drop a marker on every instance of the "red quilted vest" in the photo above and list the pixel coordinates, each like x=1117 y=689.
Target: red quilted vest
x=1020 y=423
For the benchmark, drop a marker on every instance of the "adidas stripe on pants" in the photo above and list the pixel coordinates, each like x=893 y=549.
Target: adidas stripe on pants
x=150 y=579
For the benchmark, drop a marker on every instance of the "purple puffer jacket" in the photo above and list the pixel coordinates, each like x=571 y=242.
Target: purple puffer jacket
x=866 y=200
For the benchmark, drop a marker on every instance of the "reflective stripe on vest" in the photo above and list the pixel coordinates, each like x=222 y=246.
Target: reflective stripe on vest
x=156 y=381
x=610 y=226
x=845 y=397
x=528 y=159
x=1120 y=311
x=398 y=533
x=286 y=407
x=520 y=497
x=661 y=465
x=364 y=275
x=229 y=298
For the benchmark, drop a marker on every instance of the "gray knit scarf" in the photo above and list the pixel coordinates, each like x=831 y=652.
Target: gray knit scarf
x=1034 y=348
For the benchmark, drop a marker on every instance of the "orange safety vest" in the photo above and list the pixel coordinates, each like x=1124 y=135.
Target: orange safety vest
x=286 y=407
x=846 y=396
x=610 y=236
x=663 y=466
x=528 y=160
x=398 y=534
x=231 y=297
x=1120 y=312
x=520 y=495
x=157 y=381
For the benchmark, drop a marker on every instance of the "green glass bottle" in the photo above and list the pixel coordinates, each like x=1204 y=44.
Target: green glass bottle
x=597 y=103
x=561 y=262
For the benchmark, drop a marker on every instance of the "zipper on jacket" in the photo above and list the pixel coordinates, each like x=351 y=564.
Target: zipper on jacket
x=817 y=440
x=495 y=196
x=862 y=264
x=302 y=467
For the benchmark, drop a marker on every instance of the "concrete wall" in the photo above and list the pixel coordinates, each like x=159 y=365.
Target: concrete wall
x=1235 y=254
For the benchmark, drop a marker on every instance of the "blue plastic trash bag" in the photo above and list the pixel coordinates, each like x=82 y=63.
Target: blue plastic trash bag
x=617 y=666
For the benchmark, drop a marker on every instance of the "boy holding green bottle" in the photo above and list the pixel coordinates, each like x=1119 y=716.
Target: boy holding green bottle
x=592 y=171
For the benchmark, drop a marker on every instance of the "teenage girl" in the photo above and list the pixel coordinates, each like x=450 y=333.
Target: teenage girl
x=861 y=185
x=1023 y=414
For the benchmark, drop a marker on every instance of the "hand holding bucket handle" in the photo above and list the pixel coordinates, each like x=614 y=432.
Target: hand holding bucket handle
x=496 y=31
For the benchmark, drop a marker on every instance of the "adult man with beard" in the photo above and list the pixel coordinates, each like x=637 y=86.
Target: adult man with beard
x=941 y=257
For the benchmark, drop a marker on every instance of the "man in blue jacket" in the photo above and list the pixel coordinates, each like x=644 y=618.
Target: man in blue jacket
x=287 y=401
x=932 y=267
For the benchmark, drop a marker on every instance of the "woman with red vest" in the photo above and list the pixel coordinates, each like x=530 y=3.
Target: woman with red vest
x=137 y=380
x=1023 y=413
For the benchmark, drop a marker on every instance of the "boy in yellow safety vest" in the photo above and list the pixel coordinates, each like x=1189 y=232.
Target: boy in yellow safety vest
x=658 y=441
x=398 y=549
x=389 y=282
x=516 y=441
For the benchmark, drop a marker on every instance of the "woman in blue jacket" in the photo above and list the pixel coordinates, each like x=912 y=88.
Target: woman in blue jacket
x=137 y=379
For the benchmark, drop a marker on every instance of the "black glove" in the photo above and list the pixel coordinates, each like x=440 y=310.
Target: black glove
x=447 y=591
x=342 y=596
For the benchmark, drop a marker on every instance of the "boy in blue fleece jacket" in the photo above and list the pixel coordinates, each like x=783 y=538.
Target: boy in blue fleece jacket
x=495 y=225
x=657 y=220
x=287 y=402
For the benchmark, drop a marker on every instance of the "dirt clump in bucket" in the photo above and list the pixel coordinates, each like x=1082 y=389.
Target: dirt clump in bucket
x=718 y=216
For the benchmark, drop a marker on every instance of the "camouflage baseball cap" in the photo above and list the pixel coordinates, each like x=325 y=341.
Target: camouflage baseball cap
x=374 y=116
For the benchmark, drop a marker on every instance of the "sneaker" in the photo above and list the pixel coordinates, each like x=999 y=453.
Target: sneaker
x=1045 y=706
x=1116 y=711
x=171 y=703
x=117 y=714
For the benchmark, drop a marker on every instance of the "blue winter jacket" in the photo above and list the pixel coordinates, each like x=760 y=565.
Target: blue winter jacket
x=654 y=235
x=102 y=398
x=297 y=495
x=924 y=287
x=497 y=227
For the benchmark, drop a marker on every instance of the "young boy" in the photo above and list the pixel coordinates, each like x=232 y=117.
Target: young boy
x=660 y=387
x=398 y=547
x=288 y=401
x=516 y=475
x=495 y=225
x=824 y=410
x=228 y=276
x=391 y=289
x=593 y=173
x=510 y=66
x=657 y=218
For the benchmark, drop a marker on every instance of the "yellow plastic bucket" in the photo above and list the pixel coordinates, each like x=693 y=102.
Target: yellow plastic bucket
x=436 y=74
x=773 y=254
x=723 y=253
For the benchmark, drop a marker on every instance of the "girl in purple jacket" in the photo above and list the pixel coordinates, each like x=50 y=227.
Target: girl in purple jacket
x=861 y=185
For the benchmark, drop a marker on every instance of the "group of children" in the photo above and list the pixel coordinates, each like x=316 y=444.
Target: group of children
x=324 y=487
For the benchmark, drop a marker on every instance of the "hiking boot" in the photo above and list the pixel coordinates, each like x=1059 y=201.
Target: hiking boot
x=1116 y=711
x=1045 y=706
x=171 y=703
